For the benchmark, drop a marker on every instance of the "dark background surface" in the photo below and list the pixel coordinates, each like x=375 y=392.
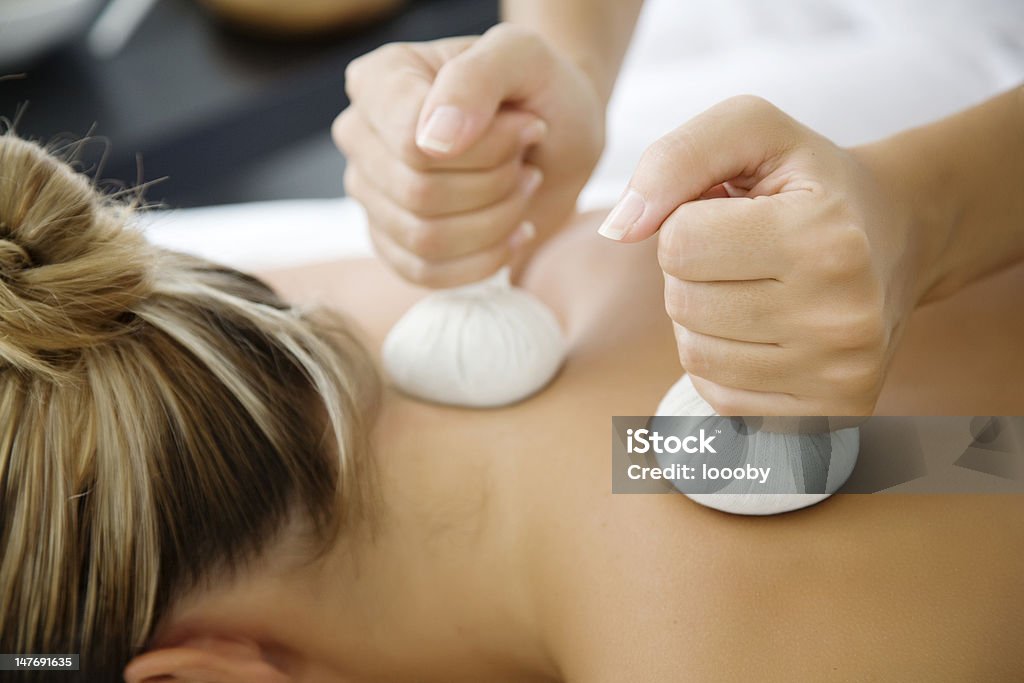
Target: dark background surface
x=215 y=115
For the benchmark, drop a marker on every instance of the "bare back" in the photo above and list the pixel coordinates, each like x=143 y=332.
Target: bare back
x=884 y=587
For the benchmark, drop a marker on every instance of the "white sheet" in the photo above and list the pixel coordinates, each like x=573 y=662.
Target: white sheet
x=855 y=71
x=264 y=235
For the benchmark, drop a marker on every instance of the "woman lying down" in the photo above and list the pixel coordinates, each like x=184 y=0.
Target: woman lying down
x=203 y=479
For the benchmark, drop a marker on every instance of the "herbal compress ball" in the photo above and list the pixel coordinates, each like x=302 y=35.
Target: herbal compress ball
x=484 y=345
x=805 y=468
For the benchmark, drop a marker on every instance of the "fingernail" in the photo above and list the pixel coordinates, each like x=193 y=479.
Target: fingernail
x=622 y=218
x=733 y=191
x=442 y=129
x=531 y=181
x=533 y=133
x=523 y=234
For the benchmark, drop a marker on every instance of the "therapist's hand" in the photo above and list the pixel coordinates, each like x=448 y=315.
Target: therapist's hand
x=789 y=269
x=467 y=152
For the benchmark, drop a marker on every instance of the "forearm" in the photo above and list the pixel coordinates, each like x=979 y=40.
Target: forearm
x=593 y=34
x=961 y=182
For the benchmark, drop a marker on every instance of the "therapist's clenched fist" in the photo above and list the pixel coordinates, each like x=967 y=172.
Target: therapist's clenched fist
x=789 y=270
x=466 y=152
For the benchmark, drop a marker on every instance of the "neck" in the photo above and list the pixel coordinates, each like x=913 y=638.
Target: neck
x=443 y=582
x=440 y=589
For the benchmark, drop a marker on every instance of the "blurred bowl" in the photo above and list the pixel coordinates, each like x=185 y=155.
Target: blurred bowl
x=29 y=28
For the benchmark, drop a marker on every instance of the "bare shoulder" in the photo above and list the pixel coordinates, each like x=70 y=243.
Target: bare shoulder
x=883 y=587
x=961 y=355
x=364 y=289
x=603 y=292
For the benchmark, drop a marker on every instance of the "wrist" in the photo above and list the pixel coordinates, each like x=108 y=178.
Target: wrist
x=600 y=75
x=921 y=205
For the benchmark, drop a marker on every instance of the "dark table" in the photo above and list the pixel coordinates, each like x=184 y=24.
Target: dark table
x=214 y=115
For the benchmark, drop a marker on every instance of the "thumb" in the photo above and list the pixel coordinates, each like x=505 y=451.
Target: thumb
x=735 y=138
x=506 y=64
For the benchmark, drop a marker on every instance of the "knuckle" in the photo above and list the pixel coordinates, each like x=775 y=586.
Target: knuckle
x=389 y=51
x=473 y=66
x=667 y=259
x=459 y=70
x=766 y=120
x=433 y=275
x=350 y=181
x=378 y=58
x=687 y=357
x=757 y=109
x=853 y=329
x=852 y=241
x=341 y=130
x=416 y=190
x=857 y=377
x=358 y=70
x=523 y=37
x=503 y=181
x=678 y=301
x=416 y=270
x=673 y=245
x=664 y=161
x=841 y=255
x=671 y=151
x=862 y=377
x=353 y=71
x=425 y=240
x=409 y=153
x=507 y=29
x=724 y=402
x=751 y=104
x=866 y=331
x=828 y=267
x=691 y=356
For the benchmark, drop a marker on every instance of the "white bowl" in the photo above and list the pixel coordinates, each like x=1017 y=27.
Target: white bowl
x=28 y=28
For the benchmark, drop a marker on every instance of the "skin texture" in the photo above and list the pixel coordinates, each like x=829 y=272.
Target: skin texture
x=501 y=554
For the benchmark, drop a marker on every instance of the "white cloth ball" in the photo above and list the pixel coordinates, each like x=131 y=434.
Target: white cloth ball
x=483 y=345
x=793 y=459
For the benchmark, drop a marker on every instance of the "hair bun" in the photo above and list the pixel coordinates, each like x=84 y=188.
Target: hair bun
x=70 y=269
x=13 y=257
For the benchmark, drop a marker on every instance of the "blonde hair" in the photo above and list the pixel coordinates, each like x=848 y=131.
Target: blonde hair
x=160 y=418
